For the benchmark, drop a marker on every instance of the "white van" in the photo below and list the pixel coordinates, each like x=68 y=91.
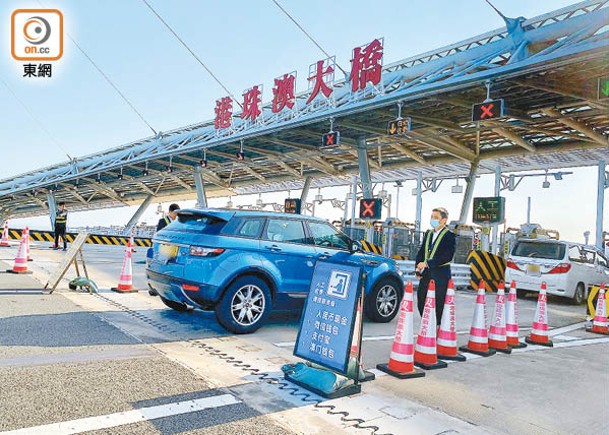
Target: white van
x=568 y=269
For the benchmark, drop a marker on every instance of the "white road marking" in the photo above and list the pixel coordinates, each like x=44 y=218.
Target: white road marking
x=376 y=338
x=567 y=328
x=127 y=417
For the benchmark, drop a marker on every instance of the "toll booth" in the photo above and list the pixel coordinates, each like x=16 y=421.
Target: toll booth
x=358 y=231
x=400 y=239
x=468 y=239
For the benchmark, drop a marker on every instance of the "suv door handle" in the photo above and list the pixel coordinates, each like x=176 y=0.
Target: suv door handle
x=274 y=248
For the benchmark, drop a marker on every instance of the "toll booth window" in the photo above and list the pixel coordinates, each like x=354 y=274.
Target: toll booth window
x=326 y=235
x=285 y=230
x=249 y=228
x=551 y=251
x=197 y=223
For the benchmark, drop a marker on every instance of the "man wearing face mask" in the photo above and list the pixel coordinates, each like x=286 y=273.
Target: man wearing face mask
x=433 y=260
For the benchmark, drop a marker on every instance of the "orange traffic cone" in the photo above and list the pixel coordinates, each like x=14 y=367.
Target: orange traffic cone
x=600 y=324
x=511 y=319
x=478 y=334
x=27 y=243
x=401 y=360
x=125 y=281
x=20 y=265
x=447 y=335
x=132 y=241
x=425 y=355
x=363 y=375
x=497 y=337
x=539 y=333
x=4 y=240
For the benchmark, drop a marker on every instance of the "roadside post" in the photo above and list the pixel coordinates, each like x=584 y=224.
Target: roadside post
x=327 y=332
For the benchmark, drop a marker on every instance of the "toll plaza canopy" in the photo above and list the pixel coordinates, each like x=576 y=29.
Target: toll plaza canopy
x=550 y=73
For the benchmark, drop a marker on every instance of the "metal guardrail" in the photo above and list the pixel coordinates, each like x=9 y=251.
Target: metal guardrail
x=460 y=273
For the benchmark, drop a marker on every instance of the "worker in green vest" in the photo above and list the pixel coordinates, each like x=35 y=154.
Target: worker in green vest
x=61 y=221
x=433 y=260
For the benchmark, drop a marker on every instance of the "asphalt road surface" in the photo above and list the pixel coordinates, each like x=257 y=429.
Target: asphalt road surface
x=113 y=363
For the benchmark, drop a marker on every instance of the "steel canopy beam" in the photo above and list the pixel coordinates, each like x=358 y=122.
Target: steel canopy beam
x=513 y=137
x=407 y=152
x=577 y=126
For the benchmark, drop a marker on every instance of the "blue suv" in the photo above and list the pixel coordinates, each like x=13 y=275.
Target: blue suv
x=243 y=264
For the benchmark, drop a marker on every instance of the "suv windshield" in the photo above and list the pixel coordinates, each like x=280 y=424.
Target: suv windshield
x=326 y=235
x=551 y=251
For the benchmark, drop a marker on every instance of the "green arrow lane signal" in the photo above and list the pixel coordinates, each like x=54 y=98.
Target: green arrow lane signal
x=603 y=88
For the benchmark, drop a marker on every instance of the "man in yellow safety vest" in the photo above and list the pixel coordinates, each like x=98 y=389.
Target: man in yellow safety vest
x=61 y=221
x=433 y=260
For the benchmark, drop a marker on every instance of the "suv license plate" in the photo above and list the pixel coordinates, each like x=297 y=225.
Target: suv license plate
x=168 y=252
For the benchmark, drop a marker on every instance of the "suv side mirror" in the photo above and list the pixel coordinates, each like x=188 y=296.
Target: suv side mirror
x=355 y=246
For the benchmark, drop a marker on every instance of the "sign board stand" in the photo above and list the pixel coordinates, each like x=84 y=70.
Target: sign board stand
x=330 y=326
x=70 y=258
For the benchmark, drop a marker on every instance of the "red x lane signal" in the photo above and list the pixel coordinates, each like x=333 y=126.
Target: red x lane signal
x=488 y=110
x=370 y=208
x=330 y=139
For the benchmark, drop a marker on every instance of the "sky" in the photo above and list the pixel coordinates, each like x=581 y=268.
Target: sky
x=244 y=43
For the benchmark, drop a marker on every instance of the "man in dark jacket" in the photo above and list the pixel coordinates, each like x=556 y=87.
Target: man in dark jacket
x=169 y=218
x=433 y=260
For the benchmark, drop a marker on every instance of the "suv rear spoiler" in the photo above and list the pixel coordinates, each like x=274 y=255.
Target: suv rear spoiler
x=219 y=214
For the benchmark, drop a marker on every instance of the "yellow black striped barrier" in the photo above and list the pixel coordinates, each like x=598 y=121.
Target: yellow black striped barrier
x=488 y=267
x=592 y=301
x=369 y=247
x=92 y=239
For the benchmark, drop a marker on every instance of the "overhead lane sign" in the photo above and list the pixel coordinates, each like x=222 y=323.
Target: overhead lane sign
x=489 y=210
x=398 y=126
x=330 y=139
x=370 y=208
x=488 y=110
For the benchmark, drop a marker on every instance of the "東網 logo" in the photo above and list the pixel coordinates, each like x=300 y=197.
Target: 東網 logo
x=37 y=34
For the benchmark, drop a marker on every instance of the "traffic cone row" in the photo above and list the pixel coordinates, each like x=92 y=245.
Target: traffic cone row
x=503 y=335
x=599 y=323
x=4 y=240
x=125 y=281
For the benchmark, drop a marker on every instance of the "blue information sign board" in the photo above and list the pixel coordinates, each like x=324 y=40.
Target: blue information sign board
x=326 y=328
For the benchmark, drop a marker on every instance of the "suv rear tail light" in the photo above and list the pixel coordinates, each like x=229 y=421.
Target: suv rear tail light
x=512 y=265
x=200 y=251
x=561 y=268
x=190 y=287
